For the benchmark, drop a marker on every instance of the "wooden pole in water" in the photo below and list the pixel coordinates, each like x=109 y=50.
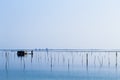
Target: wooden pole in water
x=6 y=64
x=116 y=60
x=31 y=55
x=108 y=60
x=82 y=60
x=68 y=64
x=94 y=60
x=87 y=61
x=51 y=64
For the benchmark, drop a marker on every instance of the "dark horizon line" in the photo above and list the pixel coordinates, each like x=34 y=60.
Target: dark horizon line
x=63 y=50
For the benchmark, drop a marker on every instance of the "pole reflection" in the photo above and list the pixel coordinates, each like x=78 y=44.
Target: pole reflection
x=6 y=63
x=63 y=60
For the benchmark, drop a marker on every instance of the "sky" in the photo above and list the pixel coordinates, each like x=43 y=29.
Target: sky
x=81 y=24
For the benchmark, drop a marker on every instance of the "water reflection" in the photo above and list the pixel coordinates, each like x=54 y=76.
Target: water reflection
x=60 y=61
x=68 y=64
x=77 y=59
x=6 y=63
x=87 y=61
x=116 y=60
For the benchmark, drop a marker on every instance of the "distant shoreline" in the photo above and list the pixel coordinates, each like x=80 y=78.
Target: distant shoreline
x=66 y=50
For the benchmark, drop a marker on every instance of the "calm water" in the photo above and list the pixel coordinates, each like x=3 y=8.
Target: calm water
x=44 y=65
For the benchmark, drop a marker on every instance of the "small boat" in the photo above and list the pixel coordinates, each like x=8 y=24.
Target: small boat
x=21 y=53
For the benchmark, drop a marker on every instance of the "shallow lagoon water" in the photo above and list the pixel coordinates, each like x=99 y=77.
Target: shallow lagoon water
x=45 y=65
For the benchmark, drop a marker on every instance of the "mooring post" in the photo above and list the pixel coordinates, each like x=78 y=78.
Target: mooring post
x=47 y=50
x=51 y=65
x=94 y=60
x=82 y=61
x=68 y=64
x=116 y=59
x=63 y=59
x=87 y=61
x=6 y=63
x=31 y=55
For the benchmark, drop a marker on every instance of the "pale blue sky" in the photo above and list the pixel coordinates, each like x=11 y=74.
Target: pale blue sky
x=60 y=24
